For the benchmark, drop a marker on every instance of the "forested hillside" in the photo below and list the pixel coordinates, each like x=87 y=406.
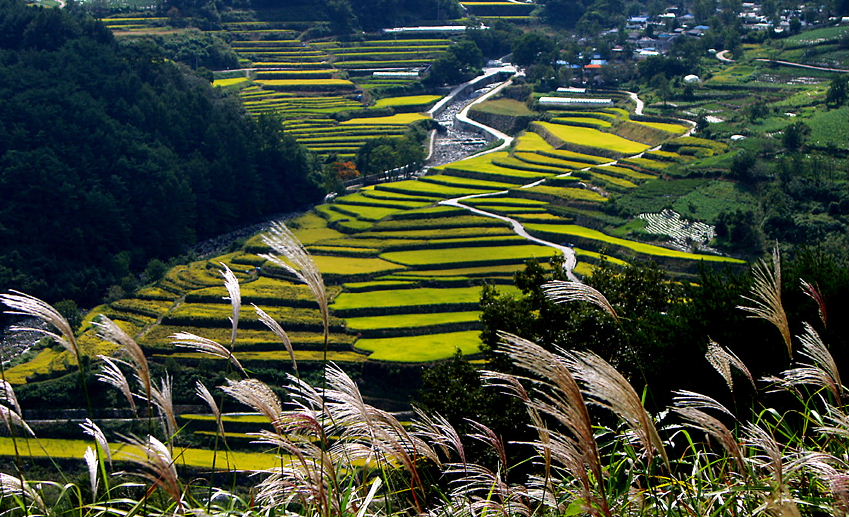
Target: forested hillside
x=111 y=155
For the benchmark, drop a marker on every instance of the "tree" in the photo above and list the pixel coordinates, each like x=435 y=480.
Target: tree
x=662 y=87
x=795 y=135
x=738 y=229
x=838 y=91
x=702 y=122
x=341 y=16
x=533 y=47
x=563 y=13
x=758 y=110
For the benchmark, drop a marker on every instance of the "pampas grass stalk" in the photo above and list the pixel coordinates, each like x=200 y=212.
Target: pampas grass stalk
x=157 y=466
x=765 y=297
x=607 y=388
x=722 y=359
x=208 y=347
x=278 y=331
x=162 y=398
x=292 y=256
x=111 y=374
x=821 y=371
x=110 y=331
x=814 y=293
x=558 y=396
x=560 y=291
x=234 y=296
x=21 y=304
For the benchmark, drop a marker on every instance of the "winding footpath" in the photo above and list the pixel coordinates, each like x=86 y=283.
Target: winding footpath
x=570 y=260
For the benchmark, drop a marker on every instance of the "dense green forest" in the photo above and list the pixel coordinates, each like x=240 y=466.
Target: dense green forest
x=112 y=155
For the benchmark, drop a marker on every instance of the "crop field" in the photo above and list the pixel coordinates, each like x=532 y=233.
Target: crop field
x=830 y=128
x=664 y=126
x=463 y=256
x=277 y=356
x=419 y=101
x=416 y=349
x=190 y=457
x=407 y=321
x=404 y=276
x=305 y=84
x=486 y=167
x=591 y=235
x=415 y=187
x=572 y=194
x=378 y=301
x=585 y=121
x=588 y=137
x=459 y=181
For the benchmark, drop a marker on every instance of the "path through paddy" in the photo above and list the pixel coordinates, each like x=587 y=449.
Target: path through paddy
x=570 y=260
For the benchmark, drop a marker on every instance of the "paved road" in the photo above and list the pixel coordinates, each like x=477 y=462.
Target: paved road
x=722 y=56
x=800 y=65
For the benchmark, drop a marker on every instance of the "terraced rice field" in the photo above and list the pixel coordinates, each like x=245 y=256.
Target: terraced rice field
x=405 y=272
x=306 y=83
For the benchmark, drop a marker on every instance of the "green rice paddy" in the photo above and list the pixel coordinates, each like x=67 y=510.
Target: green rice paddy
x=415 y=349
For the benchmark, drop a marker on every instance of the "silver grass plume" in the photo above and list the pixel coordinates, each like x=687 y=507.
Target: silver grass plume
x=685 y=398
x=838 y=422
x=110 y=331
x=816 y=295
x=157 y=466
x=206 y=346
x=207 y=397
x=21 y=304
x=488 y=437
x=258 y=395
x=822 y=371
x=11 y=485
x=779 y=468
x=722 y=359
x=607 y=388
x=560 y=291
x=689 y=406
x=277 y=329
x=235 y=297
x=163 y=400
x=111 y=374
x=834 y=474
x=291 y=255
x=10 y=417
x=558 y=395
x=91 y=429
x=91 y=462
x=765 y=297
x=512 y=386
x=438 y=431
x=378 y=433
x=7 y=395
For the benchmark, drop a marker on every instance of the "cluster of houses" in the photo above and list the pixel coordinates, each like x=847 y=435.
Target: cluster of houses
x=654 y=35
